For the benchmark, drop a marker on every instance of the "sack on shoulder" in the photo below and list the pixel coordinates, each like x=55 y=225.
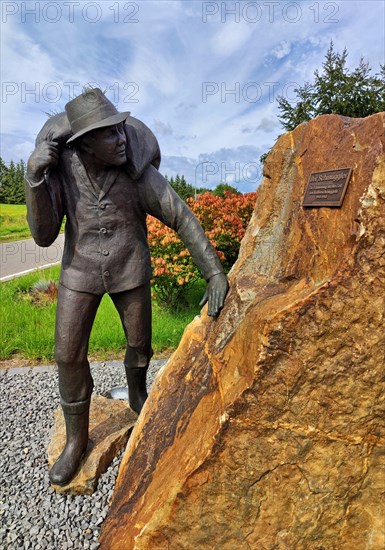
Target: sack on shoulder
x=142 y=146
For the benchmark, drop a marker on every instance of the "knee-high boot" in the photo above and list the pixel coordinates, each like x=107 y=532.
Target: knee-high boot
x=76 y=416
x=137 y=392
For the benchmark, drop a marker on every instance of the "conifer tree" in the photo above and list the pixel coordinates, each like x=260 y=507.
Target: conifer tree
x=12 y=182
x=336 y=90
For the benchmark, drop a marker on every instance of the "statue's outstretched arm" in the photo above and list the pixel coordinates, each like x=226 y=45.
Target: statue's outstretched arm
x=160 y=200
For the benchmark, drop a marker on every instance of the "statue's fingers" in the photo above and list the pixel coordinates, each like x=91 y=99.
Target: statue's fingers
x=53 y=147
x=210 y=308
x=215 y=303
x=204 y=299
x=53 y=154
x=219 y=302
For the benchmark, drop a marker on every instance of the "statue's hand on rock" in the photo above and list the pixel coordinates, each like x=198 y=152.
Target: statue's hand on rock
x=45 y=155
x=215 y=294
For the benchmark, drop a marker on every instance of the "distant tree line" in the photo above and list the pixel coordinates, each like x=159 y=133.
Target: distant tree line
x=12 y=182
x=187 y=191
x=12 y=185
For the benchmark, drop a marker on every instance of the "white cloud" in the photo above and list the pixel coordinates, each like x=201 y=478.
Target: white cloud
x=161 y=128
x=238 y=166
x=282 y=50
x=168 y=56
x=230 y=38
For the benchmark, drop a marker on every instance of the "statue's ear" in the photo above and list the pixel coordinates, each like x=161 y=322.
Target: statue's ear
x=57 y=128
x=142 y=147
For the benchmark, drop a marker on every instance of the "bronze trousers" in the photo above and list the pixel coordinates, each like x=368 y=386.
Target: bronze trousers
x=74 y=319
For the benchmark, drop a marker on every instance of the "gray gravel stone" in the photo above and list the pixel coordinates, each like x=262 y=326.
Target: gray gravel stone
x=17 y=370
x=32 y=515
x=44 y=368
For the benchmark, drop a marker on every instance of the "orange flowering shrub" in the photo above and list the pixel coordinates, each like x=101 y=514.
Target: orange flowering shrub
x=172 y=264
x=224 y=221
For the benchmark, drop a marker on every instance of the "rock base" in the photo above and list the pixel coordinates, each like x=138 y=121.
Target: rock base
x=110 y=424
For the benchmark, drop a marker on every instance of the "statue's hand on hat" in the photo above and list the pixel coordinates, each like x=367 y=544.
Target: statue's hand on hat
x=215 y=294
x=44 y=156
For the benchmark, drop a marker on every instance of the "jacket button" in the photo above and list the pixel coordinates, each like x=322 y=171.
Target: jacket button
x=103 y=230
x=106 y=273
x=105 y=252
x=102 y=205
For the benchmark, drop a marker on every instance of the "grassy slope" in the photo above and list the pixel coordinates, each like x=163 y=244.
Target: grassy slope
x=13 y=223
x=28 y=330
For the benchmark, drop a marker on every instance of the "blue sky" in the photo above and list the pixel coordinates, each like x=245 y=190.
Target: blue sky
x=203 y=75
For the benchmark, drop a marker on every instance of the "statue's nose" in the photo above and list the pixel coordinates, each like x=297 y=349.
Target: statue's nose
x=122 y=139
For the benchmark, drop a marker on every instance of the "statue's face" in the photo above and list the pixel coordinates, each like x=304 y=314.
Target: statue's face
x=107 y=145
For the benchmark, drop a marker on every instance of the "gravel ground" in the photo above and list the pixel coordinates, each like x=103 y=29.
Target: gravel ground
x=32 y=515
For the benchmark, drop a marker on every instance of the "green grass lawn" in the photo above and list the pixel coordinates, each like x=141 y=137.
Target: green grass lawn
x=13 y=223
x=27 y=330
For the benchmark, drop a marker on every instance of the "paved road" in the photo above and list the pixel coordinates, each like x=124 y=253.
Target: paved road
x=21 y=257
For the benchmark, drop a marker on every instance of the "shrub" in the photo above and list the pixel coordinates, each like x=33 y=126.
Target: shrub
x=42 y=293
x=172 y=264
x=224 y=220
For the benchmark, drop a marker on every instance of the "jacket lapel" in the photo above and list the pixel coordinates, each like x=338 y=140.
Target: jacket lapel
x=110 y=180
x=80 y=173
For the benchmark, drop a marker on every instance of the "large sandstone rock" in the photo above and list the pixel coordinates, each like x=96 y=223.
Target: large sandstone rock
x=110 y=424
x=266 y=428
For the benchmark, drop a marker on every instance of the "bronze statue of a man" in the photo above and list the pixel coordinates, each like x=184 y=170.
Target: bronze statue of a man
x=104 y=179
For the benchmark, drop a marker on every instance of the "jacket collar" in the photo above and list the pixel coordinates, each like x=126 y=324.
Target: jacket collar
x=81 y=174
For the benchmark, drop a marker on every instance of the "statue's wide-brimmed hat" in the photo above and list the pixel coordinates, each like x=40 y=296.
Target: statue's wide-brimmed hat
x=91 y=110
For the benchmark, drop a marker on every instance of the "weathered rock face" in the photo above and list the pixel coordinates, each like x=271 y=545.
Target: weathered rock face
x=266 y=428
x=110 y=424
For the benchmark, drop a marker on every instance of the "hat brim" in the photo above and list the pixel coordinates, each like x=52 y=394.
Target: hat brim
x=109 y=121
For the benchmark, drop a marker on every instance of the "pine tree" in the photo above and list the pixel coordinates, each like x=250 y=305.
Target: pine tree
x=3 y=181
x=12 y=183
x=335 y=90
x=186 y=190
x=180 y=186
x=20 y=187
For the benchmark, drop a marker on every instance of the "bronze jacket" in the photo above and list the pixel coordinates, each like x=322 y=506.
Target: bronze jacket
x=106 y=247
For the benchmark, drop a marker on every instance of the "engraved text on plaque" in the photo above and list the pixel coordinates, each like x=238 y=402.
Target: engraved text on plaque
x=327 y=188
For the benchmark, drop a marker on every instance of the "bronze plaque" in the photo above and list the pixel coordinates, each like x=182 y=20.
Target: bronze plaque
x=327 y=188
